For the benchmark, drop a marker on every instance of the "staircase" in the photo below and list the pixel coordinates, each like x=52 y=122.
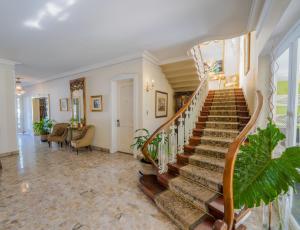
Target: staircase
x=190 y=193
x=182 y=75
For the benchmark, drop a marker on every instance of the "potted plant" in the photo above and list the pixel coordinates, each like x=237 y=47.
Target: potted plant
x=259 y=177
x=141 y=139
x=74 y=122
x=43 y=128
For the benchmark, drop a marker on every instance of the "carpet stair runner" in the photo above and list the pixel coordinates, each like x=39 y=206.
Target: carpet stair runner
x=190 y=193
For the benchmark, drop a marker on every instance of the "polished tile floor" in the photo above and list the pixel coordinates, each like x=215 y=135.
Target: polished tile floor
x=54 y=188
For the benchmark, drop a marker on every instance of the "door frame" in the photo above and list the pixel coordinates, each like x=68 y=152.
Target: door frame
x=114 y=106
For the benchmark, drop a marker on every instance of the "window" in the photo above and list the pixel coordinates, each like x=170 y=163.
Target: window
x=282 y=89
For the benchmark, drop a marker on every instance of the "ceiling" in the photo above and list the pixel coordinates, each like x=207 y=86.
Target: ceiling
x=70 y=34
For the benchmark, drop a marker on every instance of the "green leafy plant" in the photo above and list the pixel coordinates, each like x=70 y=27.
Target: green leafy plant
x=141 y=139
x=43 y=127
x=258 y=177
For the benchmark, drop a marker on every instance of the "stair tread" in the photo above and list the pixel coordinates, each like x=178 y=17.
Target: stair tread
x=213 y=176
x=222 y=139
x=222 y=130
x=231 y=116
x=221 y=122
x=210 y=160
x=183 y=213
x=194 y=190
x=212 y=148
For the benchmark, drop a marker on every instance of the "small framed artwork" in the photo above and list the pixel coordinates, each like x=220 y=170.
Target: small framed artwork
x=96 y=103
x=247 y=41
x=161 y=104
x=64 y=104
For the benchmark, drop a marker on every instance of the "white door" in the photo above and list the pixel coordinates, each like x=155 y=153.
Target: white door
x=125 y=115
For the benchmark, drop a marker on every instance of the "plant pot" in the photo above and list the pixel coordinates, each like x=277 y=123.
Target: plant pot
x=44 y=138
x=145 y=161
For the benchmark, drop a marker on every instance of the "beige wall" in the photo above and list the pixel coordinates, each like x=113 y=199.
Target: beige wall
x=8 y=140
x=153 y=72
x=99 y=82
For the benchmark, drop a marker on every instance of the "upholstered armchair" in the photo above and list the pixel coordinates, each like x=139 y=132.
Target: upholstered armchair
x=85 y=139
x=59 y=134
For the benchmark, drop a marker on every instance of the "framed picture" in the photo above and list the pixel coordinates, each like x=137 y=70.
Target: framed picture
x=96 y=103
x=161 y=104
x=247 y=41
x=213 y=53
x=64 y=104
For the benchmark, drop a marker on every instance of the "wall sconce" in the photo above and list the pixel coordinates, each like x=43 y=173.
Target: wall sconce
x=149 y=86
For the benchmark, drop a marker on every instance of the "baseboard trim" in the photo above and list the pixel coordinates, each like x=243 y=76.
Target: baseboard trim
x=8 y=154
x=106 y=150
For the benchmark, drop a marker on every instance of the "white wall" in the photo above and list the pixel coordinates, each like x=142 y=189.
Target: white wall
x=8 y=139
x=151 y=72
x=260 y=67
x=99 y=82
x=231 y=56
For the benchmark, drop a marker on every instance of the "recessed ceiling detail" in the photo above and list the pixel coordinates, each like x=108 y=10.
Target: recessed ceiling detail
x=54 y=9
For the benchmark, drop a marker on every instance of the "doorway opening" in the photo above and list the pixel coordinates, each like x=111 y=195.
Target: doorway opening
x=124 y=107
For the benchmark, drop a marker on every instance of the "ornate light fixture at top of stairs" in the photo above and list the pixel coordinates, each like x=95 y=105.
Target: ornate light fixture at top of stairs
x=19 y=89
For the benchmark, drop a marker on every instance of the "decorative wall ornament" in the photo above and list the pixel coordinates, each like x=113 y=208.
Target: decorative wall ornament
x=247 y=48
x=64 y=104
x=96 y=103
x=161 y=104
x=78 y=100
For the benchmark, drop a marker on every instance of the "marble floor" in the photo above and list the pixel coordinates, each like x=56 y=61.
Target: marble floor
x=54 y=188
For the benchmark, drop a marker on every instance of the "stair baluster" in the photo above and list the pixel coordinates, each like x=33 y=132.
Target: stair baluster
x=173 y=144
x=181 y=135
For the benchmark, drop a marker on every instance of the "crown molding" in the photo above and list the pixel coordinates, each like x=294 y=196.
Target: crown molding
x=150 y=57
x=94 y=66
x=254 y=14
x=8 y=62
x=263 y=16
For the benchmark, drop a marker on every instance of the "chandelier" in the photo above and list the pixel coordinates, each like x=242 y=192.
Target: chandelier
x=19 y=89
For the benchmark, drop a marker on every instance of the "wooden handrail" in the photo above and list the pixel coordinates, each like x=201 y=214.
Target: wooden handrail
x=170 y=121
x=230 y=163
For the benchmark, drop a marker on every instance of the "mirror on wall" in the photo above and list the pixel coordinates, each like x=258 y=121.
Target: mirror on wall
x=78 y=105
x=40 y=108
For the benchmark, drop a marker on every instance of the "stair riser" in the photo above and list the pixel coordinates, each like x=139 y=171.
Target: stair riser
x=201 y=180
x=194 y=142
x=215 y=154
x=223 y=119
x=178 y=190
x=224 y=95
x=183 y=159
x=221 y=126
x=215 y=143
x=206 y=165
x=219 y=134
x=189 y=149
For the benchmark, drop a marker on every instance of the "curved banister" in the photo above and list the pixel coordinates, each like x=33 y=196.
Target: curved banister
x=169 y=122
x=230 y=162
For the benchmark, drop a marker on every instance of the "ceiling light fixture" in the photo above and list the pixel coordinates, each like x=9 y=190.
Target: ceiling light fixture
x=19 y=89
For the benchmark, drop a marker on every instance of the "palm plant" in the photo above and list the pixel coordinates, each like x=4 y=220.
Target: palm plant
x=258 y=177
x=43 y=128
x=141 y=139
